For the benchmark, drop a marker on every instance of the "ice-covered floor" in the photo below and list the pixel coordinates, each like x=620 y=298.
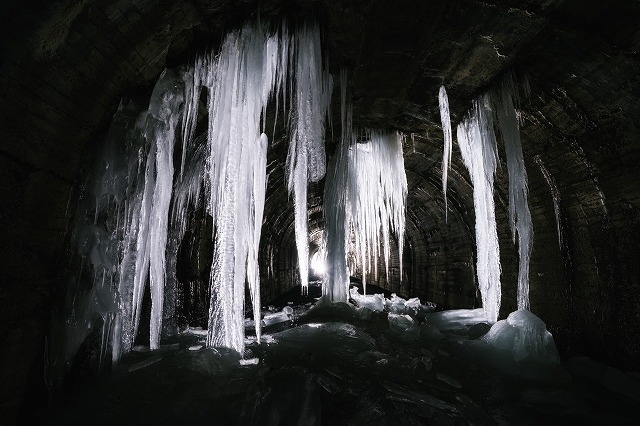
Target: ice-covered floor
x=337 y=365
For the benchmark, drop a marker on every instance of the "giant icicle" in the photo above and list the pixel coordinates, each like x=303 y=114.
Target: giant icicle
x=244 y=79
x=306 y=156
x=477 y=143
x=336 y=197
x=519 y=214
x=478 y=147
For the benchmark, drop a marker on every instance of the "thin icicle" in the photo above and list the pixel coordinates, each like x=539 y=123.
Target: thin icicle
x=443 y=101
x=555 y=195
x=477 y=143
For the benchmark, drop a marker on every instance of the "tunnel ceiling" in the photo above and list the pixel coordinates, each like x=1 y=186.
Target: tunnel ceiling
x=64 y=67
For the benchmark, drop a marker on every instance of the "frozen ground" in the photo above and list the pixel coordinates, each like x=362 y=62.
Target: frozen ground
x=340 y=365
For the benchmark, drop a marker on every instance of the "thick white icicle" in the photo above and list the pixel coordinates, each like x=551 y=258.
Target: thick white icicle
x=244 y=79
x=477 y=143
x=306 y=156
x=519 y=214
x=443 y=101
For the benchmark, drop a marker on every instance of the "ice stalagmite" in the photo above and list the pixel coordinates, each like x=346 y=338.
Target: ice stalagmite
x=443 y=101
x=306 y=157
x=477 y=143
x=519 y=215
x=377 y=198
x=336 y=279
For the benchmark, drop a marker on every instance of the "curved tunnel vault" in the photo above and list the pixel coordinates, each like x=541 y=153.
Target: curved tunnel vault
x=65 y=66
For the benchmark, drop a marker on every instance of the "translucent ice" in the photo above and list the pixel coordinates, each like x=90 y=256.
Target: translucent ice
x=519 y=215
x=131 y=237
x=237 y=162
x=525 y=337
x=306 y=157
x=375 y=302
x=377 y=199
x=336 y=198
x=477 y=143
x=443 y=102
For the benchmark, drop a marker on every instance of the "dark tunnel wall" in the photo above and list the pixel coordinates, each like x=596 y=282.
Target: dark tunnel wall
x=64 y=67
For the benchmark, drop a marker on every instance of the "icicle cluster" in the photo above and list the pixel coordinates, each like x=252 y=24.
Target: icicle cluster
x=519 y=214
x=377 y=197
x=147 y=203
x=478 y=146
x=365 y=196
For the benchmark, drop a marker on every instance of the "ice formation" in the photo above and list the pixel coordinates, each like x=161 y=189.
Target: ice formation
x=477 y=143
x=478 y=146
x=365 y=200
x=336 y=199
x=519 y=214
x=525 y=337
x=143 y=203
x=306 y=156
x=443 y=102
x=555 y=194
x=377 y=199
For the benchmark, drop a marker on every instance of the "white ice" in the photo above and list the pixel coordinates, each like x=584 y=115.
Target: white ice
x=306 y=156
x=524 y=337
x=377 y=199
x=445 y=119
x=477 y=143
x=504 y=105
x=336 y=198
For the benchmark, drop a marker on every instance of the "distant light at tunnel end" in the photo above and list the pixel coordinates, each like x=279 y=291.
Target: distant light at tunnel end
x=318 y=264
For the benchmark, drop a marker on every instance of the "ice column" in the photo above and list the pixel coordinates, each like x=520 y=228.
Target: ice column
x=477 y=143
x=443 y=101
x=243 y=80
x=306 y=156
x=519 y=214
x=336 y=279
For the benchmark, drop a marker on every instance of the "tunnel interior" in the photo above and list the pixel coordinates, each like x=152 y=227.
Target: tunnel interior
x=66 y=66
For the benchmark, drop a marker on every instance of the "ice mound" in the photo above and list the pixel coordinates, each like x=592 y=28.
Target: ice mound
x=396 y=304
x=404 y=325
x=375 y=302
x=525 y=336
